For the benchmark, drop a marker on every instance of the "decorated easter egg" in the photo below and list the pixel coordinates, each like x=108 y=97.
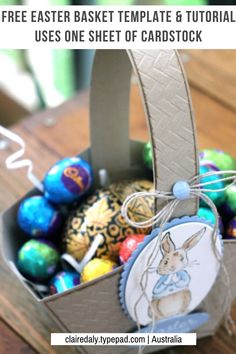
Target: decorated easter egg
x=217 y=197
x=38 y=259
x=101 y=214
x=63 y=281
x=38 y=217
x=231 y=198
x=96 y=268
x=129 y=245
x=68 y=180
x=222 y=160
x=147 y=155
x=125 y=188
x=231 y=229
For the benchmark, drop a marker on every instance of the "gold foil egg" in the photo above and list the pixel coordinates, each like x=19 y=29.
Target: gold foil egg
x=100 y=213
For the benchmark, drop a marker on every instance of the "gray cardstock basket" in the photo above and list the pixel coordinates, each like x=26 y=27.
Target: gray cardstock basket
x=94 y=306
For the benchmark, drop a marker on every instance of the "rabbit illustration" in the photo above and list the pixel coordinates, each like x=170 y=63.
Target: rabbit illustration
x=171 y=295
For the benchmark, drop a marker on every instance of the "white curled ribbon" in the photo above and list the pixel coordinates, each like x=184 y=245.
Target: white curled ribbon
x=79 y=266
x=197 y=189
x=14 y=161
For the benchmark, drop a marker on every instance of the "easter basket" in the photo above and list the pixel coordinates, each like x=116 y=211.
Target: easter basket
x=94 y=307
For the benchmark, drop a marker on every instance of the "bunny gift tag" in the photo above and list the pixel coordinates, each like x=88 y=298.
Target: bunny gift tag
x=171 y=272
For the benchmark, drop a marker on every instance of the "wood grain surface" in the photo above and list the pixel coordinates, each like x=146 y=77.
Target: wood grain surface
x=213 y=72
x=12 y=343
x=11 y=110
x=26 y=324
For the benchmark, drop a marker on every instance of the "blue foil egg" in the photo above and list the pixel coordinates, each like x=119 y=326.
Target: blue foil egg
x=38 y=218
x=63 y=281
x=217 y=197
x=206 y=214
x=38 y=259
x=68 y=180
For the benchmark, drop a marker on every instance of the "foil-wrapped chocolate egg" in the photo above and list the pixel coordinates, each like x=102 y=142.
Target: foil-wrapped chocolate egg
x=38 y=259
x=63 y=281
x=129 y=245
x=38 y=217
x=218 y=158
x=207 y=214
x=68 y=180
x=101 y=214
x=231 y=198
x=96 y=268
x=147 y=155
x=217 y=197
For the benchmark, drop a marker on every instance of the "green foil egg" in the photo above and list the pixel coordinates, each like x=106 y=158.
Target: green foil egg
x=231 y=198
x=147 y=155
x=100 y=213
x=38 y=259
x=222 y=160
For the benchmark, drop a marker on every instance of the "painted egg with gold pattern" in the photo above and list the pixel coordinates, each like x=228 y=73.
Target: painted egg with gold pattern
x=100 y=213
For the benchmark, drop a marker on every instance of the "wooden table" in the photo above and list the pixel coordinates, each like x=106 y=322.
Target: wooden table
x=24 y=325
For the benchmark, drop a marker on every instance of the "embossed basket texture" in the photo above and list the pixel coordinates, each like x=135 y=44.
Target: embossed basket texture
x=94 y=306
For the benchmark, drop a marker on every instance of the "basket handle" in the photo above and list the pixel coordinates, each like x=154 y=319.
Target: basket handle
x=166 y=98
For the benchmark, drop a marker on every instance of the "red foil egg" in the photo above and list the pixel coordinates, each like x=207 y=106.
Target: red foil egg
x=129 y=245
